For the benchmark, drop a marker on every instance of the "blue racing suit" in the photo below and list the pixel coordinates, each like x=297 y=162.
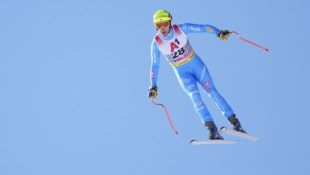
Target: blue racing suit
x=188 y=66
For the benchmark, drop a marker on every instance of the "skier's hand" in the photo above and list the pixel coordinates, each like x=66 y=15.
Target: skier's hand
x=152 y=92
x=223 y=34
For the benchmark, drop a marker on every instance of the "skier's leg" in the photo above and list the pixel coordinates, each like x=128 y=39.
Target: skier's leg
x=189 y=85
x=207 y=84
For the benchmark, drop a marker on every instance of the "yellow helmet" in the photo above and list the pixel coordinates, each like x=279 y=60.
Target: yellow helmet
x=161 y=15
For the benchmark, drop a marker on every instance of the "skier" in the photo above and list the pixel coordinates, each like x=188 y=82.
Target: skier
x=171 y=41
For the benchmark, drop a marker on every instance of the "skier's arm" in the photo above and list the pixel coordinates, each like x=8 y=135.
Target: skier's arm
x=200 y=28
x=154 y=70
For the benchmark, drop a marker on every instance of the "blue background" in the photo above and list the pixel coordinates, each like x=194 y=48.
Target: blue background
x=74 y=76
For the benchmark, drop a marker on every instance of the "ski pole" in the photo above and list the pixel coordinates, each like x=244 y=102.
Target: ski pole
x=249 y=42
x=167 y=115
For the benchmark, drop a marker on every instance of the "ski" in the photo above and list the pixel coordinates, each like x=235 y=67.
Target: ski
x=204 y=142
x=231 y=132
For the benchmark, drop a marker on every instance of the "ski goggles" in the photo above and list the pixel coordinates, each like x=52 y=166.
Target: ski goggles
x=162 y=24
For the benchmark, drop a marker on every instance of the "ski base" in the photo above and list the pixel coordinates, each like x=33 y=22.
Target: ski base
x=204 y=142
x=231 y=132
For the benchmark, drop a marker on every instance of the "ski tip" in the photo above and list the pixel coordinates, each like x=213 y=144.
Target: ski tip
x=223 y=128
x=192 y=141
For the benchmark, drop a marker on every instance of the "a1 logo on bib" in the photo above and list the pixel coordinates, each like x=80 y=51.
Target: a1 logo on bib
x=174 y=45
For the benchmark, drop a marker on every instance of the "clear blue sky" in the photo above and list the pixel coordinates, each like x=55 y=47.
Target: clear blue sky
x=74 y=76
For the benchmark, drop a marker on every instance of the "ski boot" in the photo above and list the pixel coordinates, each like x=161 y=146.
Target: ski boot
x=236 y=124
x=213 y=132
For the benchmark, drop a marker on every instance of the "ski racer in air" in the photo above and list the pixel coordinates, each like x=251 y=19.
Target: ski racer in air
x=171 y=41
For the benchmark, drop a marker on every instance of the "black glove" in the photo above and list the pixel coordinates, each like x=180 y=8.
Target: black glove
x=223 y=34
x=152 y=92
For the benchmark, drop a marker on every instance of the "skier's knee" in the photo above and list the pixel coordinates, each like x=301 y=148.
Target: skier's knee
x=208 y=86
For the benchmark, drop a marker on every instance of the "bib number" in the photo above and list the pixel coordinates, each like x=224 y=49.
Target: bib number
x=178 y=53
